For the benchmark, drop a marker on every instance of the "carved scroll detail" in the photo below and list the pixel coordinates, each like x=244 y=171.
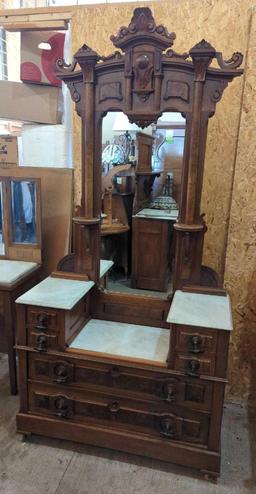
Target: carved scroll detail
x=117 y=55
x=64 y=67
x=233 y=63
x=73 y=91
x=173 y=54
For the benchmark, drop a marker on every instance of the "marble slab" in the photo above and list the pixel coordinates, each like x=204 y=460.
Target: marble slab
x=105 y=266
x=57 y=293
x=196 y=309
x=123 y=339
x=158 y=214
x=12 y=271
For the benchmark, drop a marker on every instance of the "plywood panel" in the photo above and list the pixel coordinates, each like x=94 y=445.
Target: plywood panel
x=240 y=273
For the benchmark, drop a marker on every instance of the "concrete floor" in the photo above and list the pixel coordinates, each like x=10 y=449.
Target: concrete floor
x=45 y=466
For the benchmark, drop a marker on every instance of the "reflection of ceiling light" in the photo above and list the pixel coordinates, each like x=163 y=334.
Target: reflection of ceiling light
x=171 y=117
x=122 y=124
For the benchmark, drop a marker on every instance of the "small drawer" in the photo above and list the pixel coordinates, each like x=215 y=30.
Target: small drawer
x=194 y=366
x=42 y=320
x=122 y=413
x=42 y=342
x=195 y=341
x=122 y=381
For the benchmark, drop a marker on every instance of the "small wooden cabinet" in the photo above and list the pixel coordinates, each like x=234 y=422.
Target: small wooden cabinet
x=152 y=249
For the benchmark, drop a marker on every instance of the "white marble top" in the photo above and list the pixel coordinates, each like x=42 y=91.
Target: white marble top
x=12 y=271
x=126 y=340
x=57 y=293
x=105 y=266
x=159 y=214
x=196 y=309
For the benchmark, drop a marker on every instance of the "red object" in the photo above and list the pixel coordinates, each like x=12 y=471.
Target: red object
x=49 y=57
x=39 y=65
x=30 y=71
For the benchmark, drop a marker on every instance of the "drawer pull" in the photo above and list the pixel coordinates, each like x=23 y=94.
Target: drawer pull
x=63 y=408
x=169 y=392
x=41 y=343
x=114 y=407
x=168 y=428
x=196 y=344
x=41 y=322
x=193 y=367
x=114 y=372
x=62 y=374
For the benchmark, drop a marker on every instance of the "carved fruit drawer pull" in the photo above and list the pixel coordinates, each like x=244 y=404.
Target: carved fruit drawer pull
x=63 y=407
x=41 y=343
x=168 y=428
x=41 y=322
x=169 y=392
x=62 y=374
x=196 y=344
x=193 y=367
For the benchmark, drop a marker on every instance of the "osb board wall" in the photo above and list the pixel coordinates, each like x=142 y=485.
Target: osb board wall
x=226 y=26
x=240 y=270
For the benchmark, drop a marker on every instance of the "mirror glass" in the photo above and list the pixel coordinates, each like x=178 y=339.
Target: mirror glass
x=141 y=186
x=23 y=199
x=2 y=249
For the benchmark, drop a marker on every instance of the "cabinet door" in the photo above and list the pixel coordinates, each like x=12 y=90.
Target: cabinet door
x=150 y=254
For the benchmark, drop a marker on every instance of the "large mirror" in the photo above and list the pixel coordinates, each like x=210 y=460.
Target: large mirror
x=141 y=186
x=23 y=194
x=20 y=219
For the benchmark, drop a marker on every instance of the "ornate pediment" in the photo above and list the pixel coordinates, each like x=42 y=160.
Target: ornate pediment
x=143 y=26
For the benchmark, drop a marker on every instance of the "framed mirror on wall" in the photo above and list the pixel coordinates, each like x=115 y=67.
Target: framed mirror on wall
x=20 y=225
x=141 y=186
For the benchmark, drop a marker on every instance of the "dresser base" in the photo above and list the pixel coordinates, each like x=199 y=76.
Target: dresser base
x=160 y=449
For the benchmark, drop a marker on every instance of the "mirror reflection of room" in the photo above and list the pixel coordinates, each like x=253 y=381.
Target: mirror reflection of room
x=23 y=194
x=141 y=184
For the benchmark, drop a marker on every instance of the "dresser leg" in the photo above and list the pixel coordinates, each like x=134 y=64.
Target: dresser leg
x=210 y=476
x=10 y=333
x=25 y=438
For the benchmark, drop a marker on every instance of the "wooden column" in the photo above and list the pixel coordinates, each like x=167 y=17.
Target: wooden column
x=191 y=227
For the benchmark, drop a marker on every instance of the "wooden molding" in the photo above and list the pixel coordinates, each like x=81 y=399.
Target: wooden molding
x=40 y=19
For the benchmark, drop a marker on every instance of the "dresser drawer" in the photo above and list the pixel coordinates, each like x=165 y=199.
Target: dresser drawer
x=195 y=366
x=194 y=341
x=42 y=342
x=122 y=413
x=43 y=319
x=146 y=385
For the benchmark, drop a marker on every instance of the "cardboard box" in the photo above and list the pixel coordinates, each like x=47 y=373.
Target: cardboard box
x=30 y=102
x=38 y=64
x=8 y=151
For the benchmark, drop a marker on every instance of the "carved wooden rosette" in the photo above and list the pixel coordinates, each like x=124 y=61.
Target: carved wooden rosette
x=143 y=80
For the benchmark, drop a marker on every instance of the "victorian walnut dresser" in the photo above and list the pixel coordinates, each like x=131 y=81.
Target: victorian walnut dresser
x=136 y=373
